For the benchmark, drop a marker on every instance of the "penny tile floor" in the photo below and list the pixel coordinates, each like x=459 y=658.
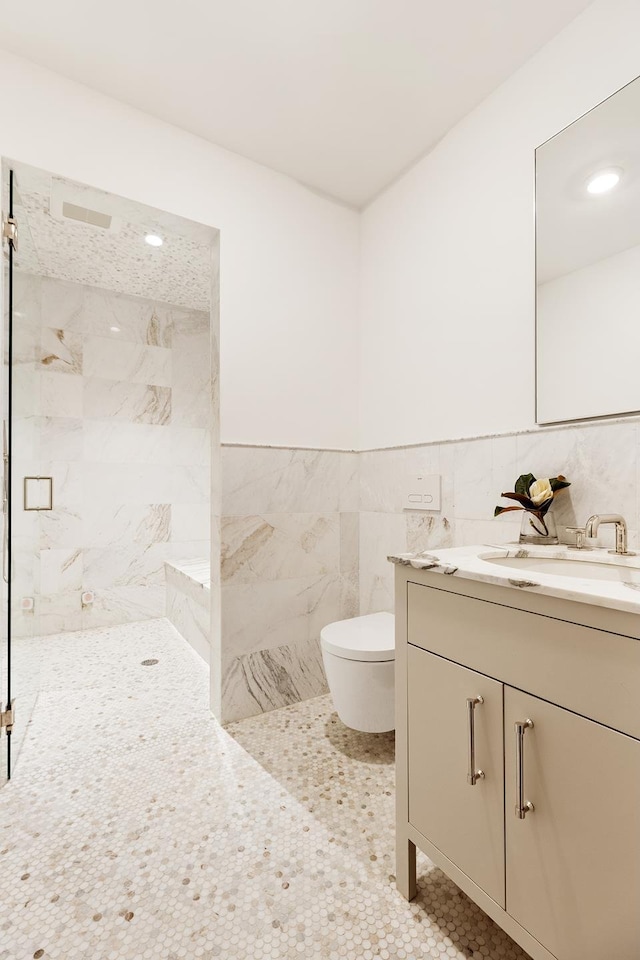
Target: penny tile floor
x=137 y=828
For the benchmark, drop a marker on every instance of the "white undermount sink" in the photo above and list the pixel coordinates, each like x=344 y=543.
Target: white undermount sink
x=580 y=569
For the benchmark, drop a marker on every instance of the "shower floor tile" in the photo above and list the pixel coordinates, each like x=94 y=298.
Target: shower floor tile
x=137 y=828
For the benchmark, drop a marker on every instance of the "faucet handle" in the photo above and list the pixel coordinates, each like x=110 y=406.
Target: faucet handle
x=580 y=533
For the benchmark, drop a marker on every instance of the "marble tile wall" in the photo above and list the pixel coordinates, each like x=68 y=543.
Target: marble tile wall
x=600 y=459
x=306 y=534
x=188 y=585
x=115 y=395
x=289 y=565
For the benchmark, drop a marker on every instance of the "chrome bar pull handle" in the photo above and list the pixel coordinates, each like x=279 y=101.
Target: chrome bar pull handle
x=523 y=807
x=473 y=775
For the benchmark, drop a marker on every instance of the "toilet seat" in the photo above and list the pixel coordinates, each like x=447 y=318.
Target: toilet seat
x=368 y=638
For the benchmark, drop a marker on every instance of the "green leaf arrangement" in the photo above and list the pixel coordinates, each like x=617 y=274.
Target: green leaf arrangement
x=534 y=496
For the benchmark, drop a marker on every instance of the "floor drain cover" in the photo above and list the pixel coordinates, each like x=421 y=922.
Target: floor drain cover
x=149 y=663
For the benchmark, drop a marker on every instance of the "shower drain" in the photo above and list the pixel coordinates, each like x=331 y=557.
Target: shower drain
x=149 y=663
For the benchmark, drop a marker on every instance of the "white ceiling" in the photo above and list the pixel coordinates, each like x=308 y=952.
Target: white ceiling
x=342 y=95
x=50 y=245
x=574 y=228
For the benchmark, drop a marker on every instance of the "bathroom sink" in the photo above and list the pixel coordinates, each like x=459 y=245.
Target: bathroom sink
x=581 y=569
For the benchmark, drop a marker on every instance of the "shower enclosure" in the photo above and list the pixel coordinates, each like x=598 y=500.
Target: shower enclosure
x=20 y=526
x=109 y=408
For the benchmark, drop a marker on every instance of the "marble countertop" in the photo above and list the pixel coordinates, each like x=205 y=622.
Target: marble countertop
x=470 y=563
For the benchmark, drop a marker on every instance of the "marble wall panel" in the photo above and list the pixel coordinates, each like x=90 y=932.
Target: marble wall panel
x=60 y=396
x=135 y=322
x=61 y=571
x=124 y=604
x=130 y=402
x=120 y=442
x=349 y=473
x=25 y=575
x=25 y=559
x=189 y=605
x=257 y=616
x=61 y=351
x=349 y=564
x=258 y=480
x=191 y=371
x=289 y=566
x=144 y=483
x=118 y=359
x=62 y=304
x=59 y=613
x=600 y=459
x=481 y=468
x=60 y=439
x=115 y=523
x=60 y=527
x=190 y=619
x=280 y=546
x=127 y=564
x=378 y=532
x=268 y=679
x=100 y=367
x=190 y=521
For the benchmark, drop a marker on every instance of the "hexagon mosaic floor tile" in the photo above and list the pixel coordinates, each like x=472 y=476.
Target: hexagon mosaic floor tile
x=137 y=828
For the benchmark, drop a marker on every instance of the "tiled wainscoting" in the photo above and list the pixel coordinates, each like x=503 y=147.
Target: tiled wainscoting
x=289 y=565
x=113 y=400
x=600 y=459
x=306 y=534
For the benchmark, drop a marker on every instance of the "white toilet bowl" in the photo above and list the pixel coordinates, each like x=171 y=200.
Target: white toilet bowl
x=359 y=657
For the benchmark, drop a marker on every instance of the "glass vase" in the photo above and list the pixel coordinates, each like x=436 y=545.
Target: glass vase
x=534 y=529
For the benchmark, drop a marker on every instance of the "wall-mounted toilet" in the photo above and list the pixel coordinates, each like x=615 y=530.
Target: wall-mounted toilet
x=359 y=658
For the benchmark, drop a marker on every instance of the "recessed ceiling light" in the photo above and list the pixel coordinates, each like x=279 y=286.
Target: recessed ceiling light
x=115 y=329
x=154 y=240
x=603 y=181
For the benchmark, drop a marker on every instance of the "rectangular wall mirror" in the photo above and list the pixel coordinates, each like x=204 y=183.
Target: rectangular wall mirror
x=588 y=264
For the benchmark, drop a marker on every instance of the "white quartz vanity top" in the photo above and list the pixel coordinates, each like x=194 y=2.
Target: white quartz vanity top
x=468 y=563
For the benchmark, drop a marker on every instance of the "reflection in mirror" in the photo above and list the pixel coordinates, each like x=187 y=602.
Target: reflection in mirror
x=588 y=264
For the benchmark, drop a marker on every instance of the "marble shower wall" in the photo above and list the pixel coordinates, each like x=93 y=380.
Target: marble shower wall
x=600 y=459
x=120 y=395
x=289 y=565
x=25 y=534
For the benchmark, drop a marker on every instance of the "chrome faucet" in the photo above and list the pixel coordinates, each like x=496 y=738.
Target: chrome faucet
x=591 y=530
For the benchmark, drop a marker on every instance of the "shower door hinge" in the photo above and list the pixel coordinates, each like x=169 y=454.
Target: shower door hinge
x=10 y=232
x=7 y=717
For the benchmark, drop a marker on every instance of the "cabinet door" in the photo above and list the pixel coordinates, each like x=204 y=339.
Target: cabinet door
x=573 y=862
x=464 y=821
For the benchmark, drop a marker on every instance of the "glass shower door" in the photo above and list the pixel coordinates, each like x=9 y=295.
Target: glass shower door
x=19 y=656
x=6 y=690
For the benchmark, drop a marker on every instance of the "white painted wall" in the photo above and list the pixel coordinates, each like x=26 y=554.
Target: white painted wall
x=588 y=330
x=447 y=256
x=288 y=257
x=447 y=273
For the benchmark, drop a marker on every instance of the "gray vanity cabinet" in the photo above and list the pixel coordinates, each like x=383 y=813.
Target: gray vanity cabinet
x=467 y=822
x=531 y=806
x=573 y=868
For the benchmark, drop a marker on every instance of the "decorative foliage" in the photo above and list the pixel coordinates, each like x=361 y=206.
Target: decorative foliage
x=534 y=496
